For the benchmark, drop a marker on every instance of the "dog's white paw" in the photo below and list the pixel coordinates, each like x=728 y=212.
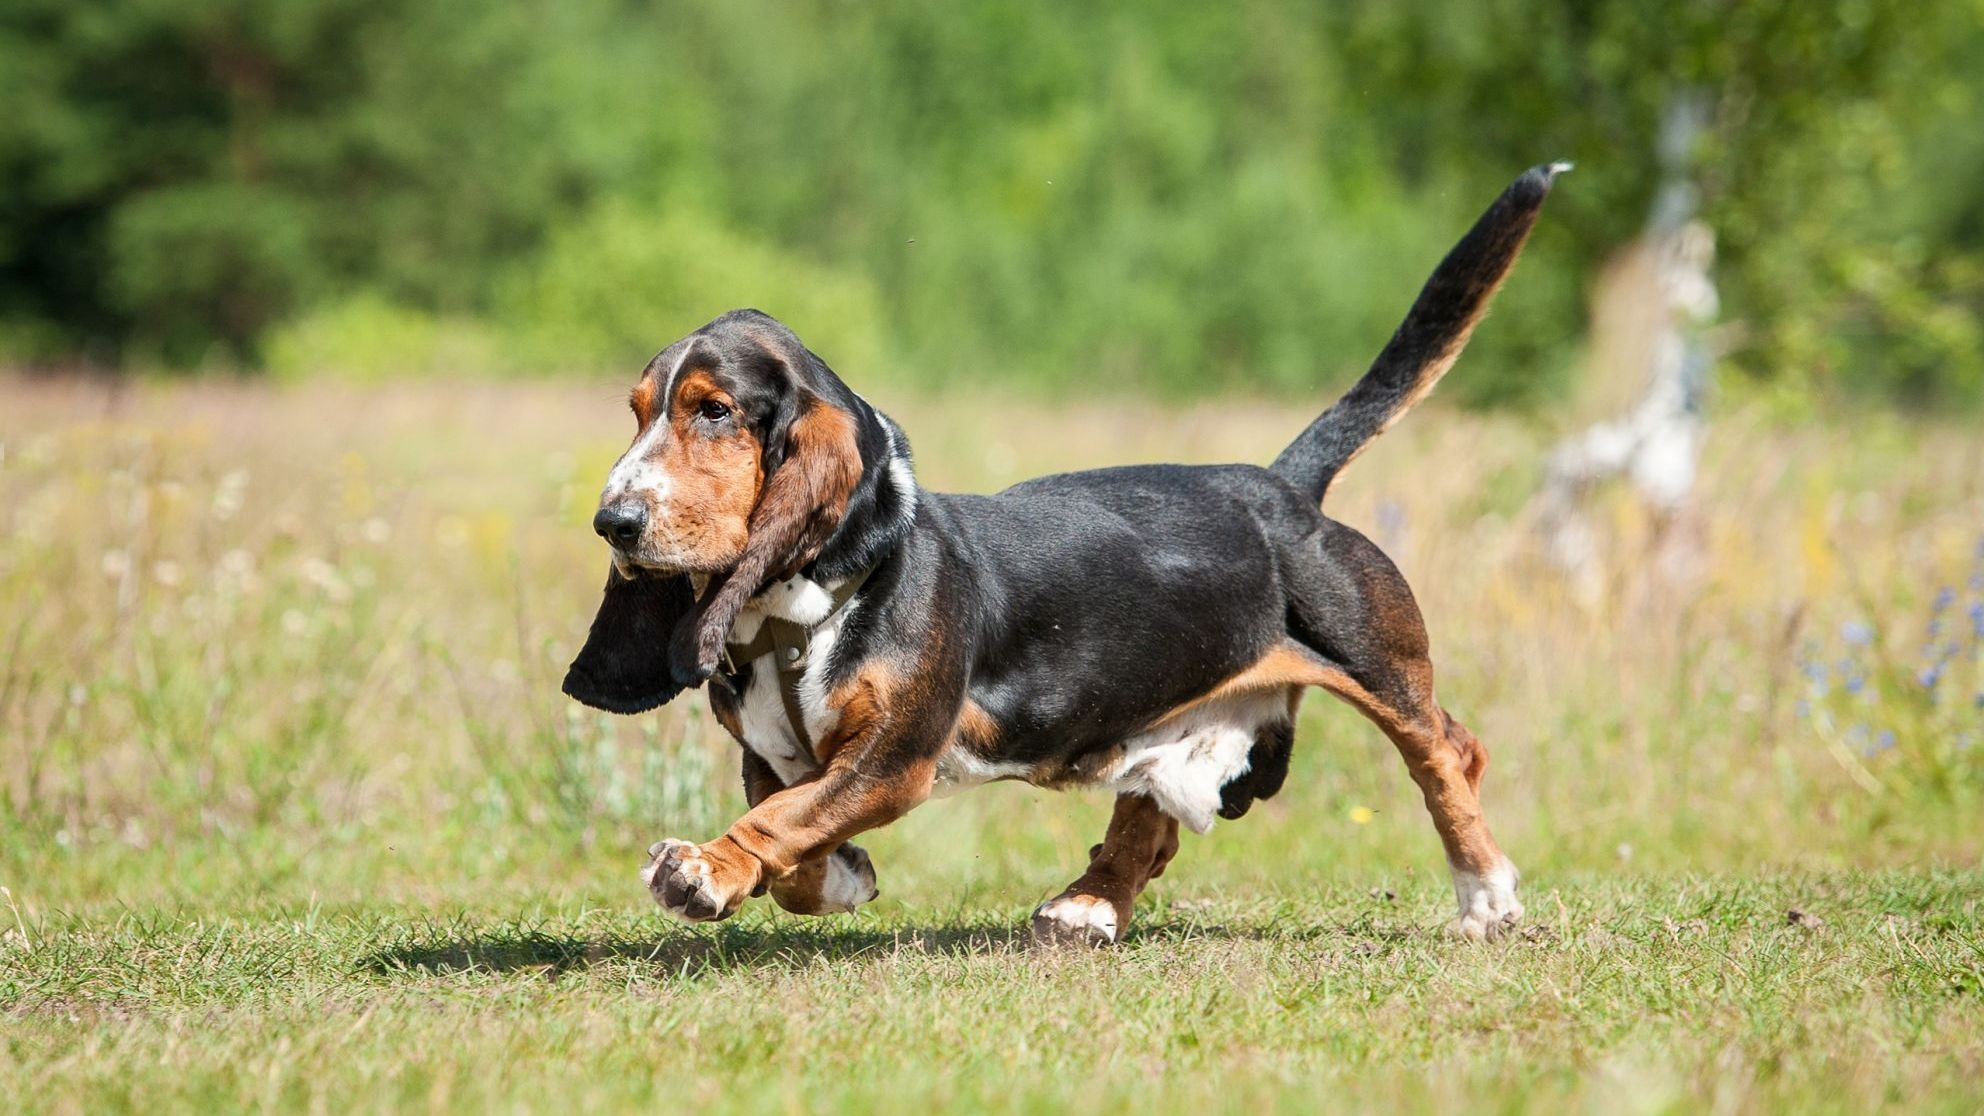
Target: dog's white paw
x=849 y=882
x=1075 y=920
x=678 y=875
x=1488 y=904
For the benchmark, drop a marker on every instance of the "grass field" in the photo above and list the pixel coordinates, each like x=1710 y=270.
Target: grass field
x=292 y=814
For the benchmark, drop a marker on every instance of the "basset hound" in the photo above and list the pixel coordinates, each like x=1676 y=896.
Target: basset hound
x=1148 y=629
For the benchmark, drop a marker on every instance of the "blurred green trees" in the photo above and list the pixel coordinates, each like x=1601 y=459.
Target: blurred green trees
x=1176 y=196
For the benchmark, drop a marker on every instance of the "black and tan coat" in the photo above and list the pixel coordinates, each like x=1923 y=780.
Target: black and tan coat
x=1147 y=629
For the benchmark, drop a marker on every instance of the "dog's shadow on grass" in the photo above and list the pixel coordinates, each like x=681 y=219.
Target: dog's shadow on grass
x=686 y=952
x=706 y=950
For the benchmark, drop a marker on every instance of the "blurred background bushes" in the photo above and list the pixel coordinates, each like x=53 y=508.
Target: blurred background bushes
x=1173 y=196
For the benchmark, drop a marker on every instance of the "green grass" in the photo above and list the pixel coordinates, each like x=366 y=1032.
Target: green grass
x=1682 y=994
x=292 y=815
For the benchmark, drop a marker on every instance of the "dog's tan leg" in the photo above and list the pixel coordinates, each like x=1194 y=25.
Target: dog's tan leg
x=781 y=839
x=835 y=883
x=1095 y=909
x=878 y=767
x=1447 y=762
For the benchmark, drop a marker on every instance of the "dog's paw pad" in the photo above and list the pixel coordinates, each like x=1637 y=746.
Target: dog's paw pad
x=678 y=876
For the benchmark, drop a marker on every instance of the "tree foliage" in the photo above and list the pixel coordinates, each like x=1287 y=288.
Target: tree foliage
x=1172 y=195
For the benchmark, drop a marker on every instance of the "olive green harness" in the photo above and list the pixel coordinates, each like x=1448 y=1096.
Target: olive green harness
x=790 y=644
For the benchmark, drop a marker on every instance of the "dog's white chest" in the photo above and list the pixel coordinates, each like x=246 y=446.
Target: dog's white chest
x=761 y=707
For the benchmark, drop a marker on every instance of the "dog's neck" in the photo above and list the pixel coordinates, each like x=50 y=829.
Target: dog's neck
x=807 y=597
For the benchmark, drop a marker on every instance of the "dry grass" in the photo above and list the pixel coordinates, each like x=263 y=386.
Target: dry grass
x=280 y=689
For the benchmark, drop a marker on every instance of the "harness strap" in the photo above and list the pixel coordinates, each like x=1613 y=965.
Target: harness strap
x=789 y=643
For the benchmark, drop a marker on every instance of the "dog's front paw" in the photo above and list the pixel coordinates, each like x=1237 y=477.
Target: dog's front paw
x=1488 y=904
x=686 y=882
x=1072 y=919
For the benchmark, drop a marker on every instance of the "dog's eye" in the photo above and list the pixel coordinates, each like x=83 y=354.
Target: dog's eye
x=713 y=410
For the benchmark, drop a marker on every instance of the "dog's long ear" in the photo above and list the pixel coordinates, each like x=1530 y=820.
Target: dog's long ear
x=623 y=668
x=803 y=502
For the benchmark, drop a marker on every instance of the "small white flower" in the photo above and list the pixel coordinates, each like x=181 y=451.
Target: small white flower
x=229 y=494
x=165 y=571
x=294 y=622
x=326 y=577
x=376 y=531
x=116 y=563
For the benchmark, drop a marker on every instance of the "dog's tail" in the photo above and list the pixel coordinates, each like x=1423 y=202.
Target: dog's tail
x=1427 y=342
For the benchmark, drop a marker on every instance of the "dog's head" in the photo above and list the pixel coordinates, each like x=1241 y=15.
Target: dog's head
x=751 y=461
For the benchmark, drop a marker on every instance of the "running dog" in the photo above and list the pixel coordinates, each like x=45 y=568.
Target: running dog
x=1148 y=629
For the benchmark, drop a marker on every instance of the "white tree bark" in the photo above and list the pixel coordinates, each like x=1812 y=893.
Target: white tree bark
x=1656 y=445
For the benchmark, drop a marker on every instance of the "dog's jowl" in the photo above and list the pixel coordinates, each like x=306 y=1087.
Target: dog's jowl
x=1148 y=629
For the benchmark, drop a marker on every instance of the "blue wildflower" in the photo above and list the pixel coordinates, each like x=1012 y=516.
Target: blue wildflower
x=1931 y=676
x=1977 y=619
x=1884 y=741
x=1945 y=597
x=1856 y=634
x=1856 y=683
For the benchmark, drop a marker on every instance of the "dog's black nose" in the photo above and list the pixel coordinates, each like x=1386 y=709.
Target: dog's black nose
x=622 y=524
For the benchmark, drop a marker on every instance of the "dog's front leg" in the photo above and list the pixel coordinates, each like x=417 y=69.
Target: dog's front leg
x=790 y=841
x=836 y=883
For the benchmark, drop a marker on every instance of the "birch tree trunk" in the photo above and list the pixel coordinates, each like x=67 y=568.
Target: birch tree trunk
x=1656 y=445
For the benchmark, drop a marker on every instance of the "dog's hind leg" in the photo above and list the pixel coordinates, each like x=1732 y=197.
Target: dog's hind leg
x=1360 y=615
x=1095 y=909
x=1446 y=761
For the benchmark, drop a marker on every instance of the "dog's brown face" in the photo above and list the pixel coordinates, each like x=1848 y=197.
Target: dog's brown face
x=680 y=499
x=743 y=462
